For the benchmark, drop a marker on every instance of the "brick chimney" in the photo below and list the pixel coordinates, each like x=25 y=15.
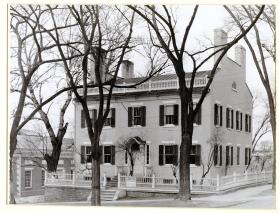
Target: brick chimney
x=220 y=38
x=240 y=56
x=102 y=64
x=127 y=69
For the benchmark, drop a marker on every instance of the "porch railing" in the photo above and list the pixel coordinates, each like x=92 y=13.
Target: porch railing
x=202 y=185
x=151 y=85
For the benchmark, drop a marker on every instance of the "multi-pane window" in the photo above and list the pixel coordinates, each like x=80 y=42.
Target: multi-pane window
x=218 y=115
x=147 y=154
x=247 y=155
x=198 y=116
x=229 y=118
x=108 y=154
x=238 y=155
x=92 y=114
x=43 y=177
x=168 y=114
x=168 y=154
x=237 y=117
x=28 y=178
x=195 y=155
x=110 y=120
x=247 y=123
x=241 y=121
x=136 y=116
x=229 y=155
x=85 y=154
x=217 y=155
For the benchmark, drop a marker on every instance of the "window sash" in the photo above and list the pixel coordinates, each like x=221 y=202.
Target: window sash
x=107 y=154
x=28 y=178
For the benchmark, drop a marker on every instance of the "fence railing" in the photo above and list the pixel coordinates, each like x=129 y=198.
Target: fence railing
x=204 y=185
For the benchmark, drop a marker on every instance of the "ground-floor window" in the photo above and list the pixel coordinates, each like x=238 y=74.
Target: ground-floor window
x=229 y=155
x=168 y=154
x=85 y=156
x=195 y=155
x=28 y=179
x=247 y=155
x=218 y=155
x=109 y=154
x=43 y=177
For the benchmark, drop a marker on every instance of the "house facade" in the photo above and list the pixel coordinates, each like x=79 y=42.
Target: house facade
x=29 y=167
x=149 y=118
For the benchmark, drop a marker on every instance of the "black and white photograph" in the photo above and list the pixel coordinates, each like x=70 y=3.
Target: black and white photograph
x=141 y=105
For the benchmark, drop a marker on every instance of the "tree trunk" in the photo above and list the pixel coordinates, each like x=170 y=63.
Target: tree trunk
x=12 y=198
x=273 y=127
x=95 y=169
x=96 y=192
x=186 y=143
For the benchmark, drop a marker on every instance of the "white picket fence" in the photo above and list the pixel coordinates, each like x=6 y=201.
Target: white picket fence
x=155 y=183
x=202 y=185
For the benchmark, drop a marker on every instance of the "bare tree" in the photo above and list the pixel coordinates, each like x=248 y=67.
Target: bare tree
x=212 y=156
x=162 y=27
x=261 y=51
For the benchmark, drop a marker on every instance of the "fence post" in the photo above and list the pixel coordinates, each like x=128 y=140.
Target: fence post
x=191 y=182
x=153 y=181
x=118 y=182
x=217 y=182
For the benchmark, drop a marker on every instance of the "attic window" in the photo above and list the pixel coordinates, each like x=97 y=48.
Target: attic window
x=234 y=86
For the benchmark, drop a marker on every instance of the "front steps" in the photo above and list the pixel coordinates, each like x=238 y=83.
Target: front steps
x=107 y=194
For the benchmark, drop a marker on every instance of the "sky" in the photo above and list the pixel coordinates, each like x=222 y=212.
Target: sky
x=207 y=19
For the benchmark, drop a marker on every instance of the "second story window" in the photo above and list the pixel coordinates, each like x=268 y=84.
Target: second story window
x=247 y=123
x=136 y=116
x=92 y=114
x=110 y=120
x=229 y=118
x=168 y=114
x=218 y=115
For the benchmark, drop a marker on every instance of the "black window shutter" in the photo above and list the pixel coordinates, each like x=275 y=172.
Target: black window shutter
x=198 y=155
x=161 y=116
x=221 y=115
x=143 y=116
x=246 y=123
x=101 y=154
x=113 y=155
x=227 y=155
x=82 y=119
x=112 y=117
x=221 y=155
x=82 y=154
x=227 y=117
x=232 y=119
x=231 y=155
x=130 y=116
x=175 y=159
x=175 y=110
x=215 y=154
x=241 y=121
x=215 y=114
x=161 y=155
